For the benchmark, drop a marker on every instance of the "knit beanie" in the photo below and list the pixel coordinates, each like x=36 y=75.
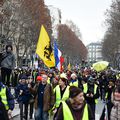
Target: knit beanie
x=39 y=78
x=74 y=91
x=24 y=77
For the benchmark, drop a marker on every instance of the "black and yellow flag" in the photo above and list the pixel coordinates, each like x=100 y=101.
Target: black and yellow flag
x=44 y=49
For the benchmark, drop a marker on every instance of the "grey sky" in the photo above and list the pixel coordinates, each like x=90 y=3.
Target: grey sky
x=88 y=15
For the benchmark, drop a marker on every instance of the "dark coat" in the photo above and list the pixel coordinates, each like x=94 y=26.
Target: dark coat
x=25 y=96
x=10 y=98
x=3 y=112
x=48 y=97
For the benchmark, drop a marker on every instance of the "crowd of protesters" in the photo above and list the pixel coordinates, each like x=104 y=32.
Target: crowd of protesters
x=48 y=94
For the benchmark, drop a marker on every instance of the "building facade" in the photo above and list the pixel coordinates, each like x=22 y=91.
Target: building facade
x=55 y=14
x=94 y=52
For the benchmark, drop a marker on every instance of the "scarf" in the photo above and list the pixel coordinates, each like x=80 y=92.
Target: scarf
x=115 y=112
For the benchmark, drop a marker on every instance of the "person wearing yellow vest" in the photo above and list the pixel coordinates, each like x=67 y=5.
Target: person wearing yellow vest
x=108 y=97
x=61 y=91
x=55 y=81
x=91 y=93
x=75 y=108
x=75 y=81
x=50 y=76
x=3 y=112
x=6 y=98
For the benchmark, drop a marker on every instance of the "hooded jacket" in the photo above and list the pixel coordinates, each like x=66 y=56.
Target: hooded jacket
x=8 y=61
x=10 y=98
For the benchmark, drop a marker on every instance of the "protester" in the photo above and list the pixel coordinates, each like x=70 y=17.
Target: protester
x=16 y=77
x=50 y=76
x=44 y=99
x=23 y=96
x=61 y=90
x=108 y=106
x=109 y=97
x=115 y=112
x=32 y=98
x=7 y=100
x=103 y=85
x=7 y=64
x=74 y=81
x=75 y=108
x=91 y=93
x=55 y=81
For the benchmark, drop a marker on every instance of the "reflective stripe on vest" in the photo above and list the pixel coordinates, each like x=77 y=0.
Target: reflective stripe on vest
x=34 y=76
x=74 y=83
x=106 y=96
x=67 y=115
x=118 y=76
x=58 y=95
x=4 y=98
x=48 y=80
x=95 y=91
x=85 y=87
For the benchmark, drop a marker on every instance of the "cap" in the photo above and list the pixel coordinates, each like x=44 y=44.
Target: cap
x=39 y=78
x=23 y=77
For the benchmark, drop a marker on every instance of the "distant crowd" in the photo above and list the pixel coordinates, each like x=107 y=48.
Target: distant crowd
x=48 y=94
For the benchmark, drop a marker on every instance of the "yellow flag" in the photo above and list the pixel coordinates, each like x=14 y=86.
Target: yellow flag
x=44 y=49
x=69 y=66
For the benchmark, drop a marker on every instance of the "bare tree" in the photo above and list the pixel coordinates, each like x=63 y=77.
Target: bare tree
x=74 y=28
x=21 y=23
x=71 y=46
x=111 y=40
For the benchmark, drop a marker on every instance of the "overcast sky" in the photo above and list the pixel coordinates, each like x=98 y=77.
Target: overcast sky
x=88 y=15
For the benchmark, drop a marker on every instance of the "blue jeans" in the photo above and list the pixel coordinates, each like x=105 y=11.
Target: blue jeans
x=40 y=114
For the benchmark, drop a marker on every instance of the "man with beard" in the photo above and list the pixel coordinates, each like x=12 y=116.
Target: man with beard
x=75 y=108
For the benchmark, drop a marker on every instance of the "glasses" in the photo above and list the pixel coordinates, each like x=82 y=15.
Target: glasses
x=44 y=77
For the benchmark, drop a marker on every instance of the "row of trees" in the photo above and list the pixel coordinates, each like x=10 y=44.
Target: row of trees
x=111 y=41
x=70 y=44
x=20 y=22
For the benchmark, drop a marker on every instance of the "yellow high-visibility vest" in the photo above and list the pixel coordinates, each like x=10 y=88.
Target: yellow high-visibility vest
x=4 y=97
x=67 y=115
x=85 y=89
x=34 y=75
x=74 y=83
x=106 y=95
x=48 y=80
x=118 y=76
x=58 y=95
